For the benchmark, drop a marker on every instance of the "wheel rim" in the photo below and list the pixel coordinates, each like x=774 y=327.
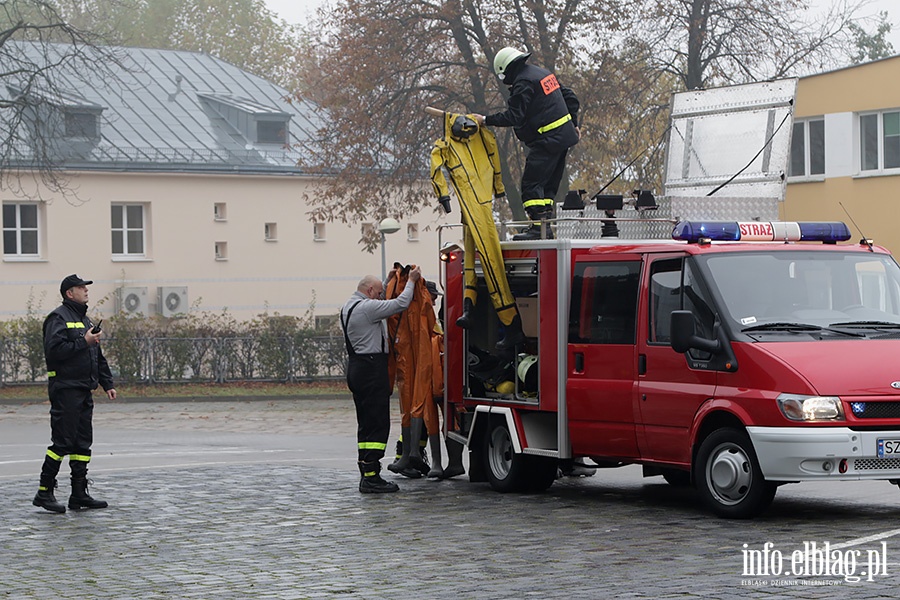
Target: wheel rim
x=500 y=453
x=729 y=474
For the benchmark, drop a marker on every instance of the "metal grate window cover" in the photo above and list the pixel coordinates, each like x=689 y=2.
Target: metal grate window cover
x=876 y=464
x=875 y=410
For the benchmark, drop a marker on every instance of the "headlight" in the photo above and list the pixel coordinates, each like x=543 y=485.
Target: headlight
x=810 y=408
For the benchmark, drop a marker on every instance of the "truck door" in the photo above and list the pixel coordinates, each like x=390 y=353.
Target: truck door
x=601 y=355
x=670 y=391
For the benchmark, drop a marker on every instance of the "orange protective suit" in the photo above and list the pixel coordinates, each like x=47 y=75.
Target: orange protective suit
x=411 y=361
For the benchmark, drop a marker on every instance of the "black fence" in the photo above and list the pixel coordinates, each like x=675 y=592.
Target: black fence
x=297 y=358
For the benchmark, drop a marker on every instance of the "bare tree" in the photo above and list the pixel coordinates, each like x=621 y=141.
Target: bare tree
x=717 y=42
x=43 y=60
x=378 y=63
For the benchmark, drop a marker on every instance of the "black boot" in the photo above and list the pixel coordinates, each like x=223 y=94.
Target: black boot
x=436 y=472
x=455 y=463
x=465 y=320
x=417 y=427
x=513 y=336
x=45 y=498
x=536 y=214
x=80 y=497
x=371 y=481
x=401 y=464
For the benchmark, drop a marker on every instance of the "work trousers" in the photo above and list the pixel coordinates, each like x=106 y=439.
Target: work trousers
x=71 y=431
x=542 y=175
x=367 y=378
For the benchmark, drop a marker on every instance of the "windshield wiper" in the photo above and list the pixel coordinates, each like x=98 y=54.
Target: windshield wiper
x=798 y=328
x=782 y=326
x=868 y=325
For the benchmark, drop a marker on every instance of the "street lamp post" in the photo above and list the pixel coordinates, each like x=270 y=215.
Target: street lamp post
x=388 y=225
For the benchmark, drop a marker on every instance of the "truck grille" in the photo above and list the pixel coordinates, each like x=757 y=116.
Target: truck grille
x=875 y=410
x=876 y=464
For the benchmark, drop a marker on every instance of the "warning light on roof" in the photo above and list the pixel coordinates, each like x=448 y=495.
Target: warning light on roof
x=760 y=231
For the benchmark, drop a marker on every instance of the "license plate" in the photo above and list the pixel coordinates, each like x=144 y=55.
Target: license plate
x=888 y=448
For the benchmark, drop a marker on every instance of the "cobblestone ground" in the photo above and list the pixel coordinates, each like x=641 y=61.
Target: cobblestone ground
x=283 y=530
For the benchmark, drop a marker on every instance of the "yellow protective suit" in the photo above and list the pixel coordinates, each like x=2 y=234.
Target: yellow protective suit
x=474 y=168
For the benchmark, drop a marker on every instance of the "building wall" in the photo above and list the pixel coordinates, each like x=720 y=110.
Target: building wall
x=869 y=197
x=285 y=275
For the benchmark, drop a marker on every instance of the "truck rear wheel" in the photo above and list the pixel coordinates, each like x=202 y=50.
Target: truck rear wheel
x=505 y=469
x=728 y=476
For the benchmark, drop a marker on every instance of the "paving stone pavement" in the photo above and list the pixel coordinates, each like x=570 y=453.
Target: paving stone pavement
x=301 y=530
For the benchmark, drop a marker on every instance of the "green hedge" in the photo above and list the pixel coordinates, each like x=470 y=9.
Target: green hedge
x=195 y=348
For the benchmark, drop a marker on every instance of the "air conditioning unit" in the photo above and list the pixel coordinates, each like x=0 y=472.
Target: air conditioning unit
x=132 y=300
x=173 y=301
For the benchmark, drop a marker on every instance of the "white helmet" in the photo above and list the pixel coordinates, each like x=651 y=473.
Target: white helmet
x=505 y=57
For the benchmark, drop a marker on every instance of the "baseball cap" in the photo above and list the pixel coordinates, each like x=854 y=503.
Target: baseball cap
x=432 y=289
x=71 y=281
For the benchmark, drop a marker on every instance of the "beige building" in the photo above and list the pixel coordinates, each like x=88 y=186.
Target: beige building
x=189 y=198
x=845 y=151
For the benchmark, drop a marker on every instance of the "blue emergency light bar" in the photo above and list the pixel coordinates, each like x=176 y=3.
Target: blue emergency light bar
x=759 y=231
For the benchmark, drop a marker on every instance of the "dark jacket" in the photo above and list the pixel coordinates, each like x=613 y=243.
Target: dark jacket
x=537 y=108
x=71 y=363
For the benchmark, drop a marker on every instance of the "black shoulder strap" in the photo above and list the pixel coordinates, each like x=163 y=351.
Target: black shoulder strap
x=344 y=324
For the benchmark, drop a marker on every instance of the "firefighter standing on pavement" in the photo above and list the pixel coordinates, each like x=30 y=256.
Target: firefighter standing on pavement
x=75 y=367
x=544 y=115
x=362 y=319
x=469 y=154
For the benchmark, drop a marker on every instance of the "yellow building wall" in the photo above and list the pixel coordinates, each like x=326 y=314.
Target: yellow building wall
x=871 y=200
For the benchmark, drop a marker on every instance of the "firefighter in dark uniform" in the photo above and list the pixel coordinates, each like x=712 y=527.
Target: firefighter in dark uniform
x=544 y=115
x=75 y=367
x=365 y=334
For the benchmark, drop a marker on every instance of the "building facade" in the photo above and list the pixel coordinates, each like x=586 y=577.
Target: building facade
x=188 y=194
x=845 y=150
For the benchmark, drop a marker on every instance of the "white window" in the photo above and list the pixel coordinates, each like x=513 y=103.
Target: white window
x=367 y=229
x=879 y=141
x=412 y=232
x=220 y=211
x=221 y=250
x=271 y=232
x=128 y=230
x=20 y=229
x=807 y=148
x=319 y=232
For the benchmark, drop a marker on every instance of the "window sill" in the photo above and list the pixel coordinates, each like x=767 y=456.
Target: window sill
x=319 y=240
x=813 y=179
x=24 y=259
x=220 y=220
x=867 y=174
x=271 y=239
x=121 y=258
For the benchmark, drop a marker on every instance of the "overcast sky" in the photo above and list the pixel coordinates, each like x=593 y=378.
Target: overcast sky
x=296 y=11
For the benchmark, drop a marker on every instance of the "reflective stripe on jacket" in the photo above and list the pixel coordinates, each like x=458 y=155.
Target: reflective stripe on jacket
x=539 y=109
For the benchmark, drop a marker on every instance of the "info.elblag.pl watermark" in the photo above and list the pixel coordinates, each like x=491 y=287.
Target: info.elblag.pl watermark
x=813 y=564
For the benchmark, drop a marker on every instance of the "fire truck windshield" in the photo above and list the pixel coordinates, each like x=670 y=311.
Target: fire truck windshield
x=806 y=287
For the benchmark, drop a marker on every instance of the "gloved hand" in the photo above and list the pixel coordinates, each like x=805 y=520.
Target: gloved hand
x=445 y=202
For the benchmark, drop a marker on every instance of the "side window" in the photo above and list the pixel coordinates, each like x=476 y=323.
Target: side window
x=604 y=303
x=674 y=287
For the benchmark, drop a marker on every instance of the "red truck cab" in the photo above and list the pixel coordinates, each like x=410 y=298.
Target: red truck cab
x=737 y=357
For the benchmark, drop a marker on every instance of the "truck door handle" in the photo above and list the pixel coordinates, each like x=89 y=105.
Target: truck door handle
x=642 y=364
x=579 y=362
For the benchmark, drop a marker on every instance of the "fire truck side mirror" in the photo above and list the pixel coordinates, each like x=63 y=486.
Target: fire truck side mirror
x=684 y=336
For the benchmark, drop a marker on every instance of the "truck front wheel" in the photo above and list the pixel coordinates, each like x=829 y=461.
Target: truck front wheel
x=728 y=477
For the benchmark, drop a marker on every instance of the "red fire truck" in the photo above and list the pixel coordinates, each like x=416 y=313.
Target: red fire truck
x=736 y=357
